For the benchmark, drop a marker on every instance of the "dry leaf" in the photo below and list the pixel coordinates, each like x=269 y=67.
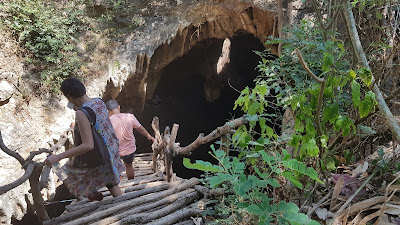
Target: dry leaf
x=350 y=185
x=323 y=213
x=336 y=191
x=392 y=209
x=362 y=205
x=361 y=168
x=385 y=221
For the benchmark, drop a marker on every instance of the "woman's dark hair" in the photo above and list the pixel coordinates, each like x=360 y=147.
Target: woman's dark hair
x=73 y=87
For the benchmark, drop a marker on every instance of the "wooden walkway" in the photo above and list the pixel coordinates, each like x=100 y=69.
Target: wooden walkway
x=148 y=199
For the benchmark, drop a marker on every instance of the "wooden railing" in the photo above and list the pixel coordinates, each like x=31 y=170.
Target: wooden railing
x=165 y=147
x=34 y=171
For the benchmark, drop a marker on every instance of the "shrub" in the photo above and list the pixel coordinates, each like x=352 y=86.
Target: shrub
x=46 y=29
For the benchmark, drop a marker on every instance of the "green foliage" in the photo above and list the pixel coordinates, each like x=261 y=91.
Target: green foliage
x=296 y=89
x=250 y=188
x=46 y=30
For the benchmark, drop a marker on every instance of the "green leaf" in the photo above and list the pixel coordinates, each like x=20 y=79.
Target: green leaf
x=254 y=209
x=295 y=141
x=310 y=128
x=219 y=179
x=288 y=207
x=312 y=222
x=330 y=165
x=327 y=61
x=331 y=112
x=299 y=167
x=366 y=75
x=289 y=175
x=367 y=105
x=352 y=74
x=270 y=132
x=296 y=218
x=355 y=92
x=273 y=182
x=242 y=205
x=201 y=165
x=244 y=185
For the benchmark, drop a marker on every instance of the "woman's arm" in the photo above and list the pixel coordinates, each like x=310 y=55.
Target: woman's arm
x=87 y=140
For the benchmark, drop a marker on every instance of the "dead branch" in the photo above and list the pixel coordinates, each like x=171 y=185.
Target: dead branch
x=358 y=207
x=201 y=139
x=142 y=208
x=393 y=95
x=9 y=152
x=19 y=181
x=386 y=199
x=35 y=153
x=209 y=192
x=144 y=218
x=319 y=19
x=311 y=211
x=362 y=59
x=191 y=211
x=136 y=194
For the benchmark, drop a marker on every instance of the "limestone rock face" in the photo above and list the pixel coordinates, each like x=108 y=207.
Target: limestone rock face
x=171 y=33
x=13 y=203
x=6 y=90
x=27 y=123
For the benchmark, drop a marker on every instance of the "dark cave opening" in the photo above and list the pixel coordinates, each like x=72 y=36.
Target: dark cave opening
x=180 y=94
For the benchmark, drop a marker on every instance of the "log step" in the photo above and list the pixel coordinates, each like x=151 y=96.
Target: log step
x=147 y=199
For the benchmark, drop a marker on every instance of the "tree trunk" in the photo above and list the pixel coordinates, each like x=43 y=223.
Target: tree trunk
x=362 y=59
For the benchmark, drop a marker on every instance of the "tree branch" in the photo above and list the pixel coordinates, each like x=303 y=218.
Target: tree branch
x=362 y=59
x=322 y=81
x=9 y=152
x=319 y=19
x=212 y=136
x=393 y=95
x=304 y=64
x=35 y=153
x=18 y=182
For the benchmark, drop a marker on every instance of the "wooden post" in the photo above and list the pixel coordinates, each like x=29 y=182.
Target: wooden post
x=169 y=153
x=37 y=196
x=224 y=144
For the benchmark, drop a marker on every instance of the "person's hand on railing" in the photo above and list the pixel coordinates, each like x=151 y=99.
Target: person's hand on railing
x=52 y=159
x=151 y=138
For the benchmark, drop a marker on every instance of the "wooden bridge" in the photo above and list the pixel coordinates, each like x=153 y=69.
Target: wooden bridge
x=155 y=196
x=148 y=199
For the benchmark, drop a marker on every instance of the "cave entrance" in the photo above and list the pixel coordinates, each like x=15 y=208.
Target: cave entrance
x=180 y=96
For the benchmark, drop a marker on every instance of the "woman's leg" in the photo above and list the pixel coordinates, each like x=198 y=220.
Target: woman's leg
x=115 y=191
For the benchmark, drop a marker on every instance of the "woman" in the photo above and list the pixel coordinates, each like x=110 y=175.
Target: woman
x=86 y=181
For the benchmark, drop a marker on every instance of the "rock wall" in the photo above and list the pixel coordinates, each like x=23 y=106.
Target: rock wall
x=137 y=69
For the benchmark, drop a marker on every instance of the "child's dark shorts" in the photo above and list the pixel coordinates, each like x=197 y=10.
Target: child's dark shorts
x=128 y=159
